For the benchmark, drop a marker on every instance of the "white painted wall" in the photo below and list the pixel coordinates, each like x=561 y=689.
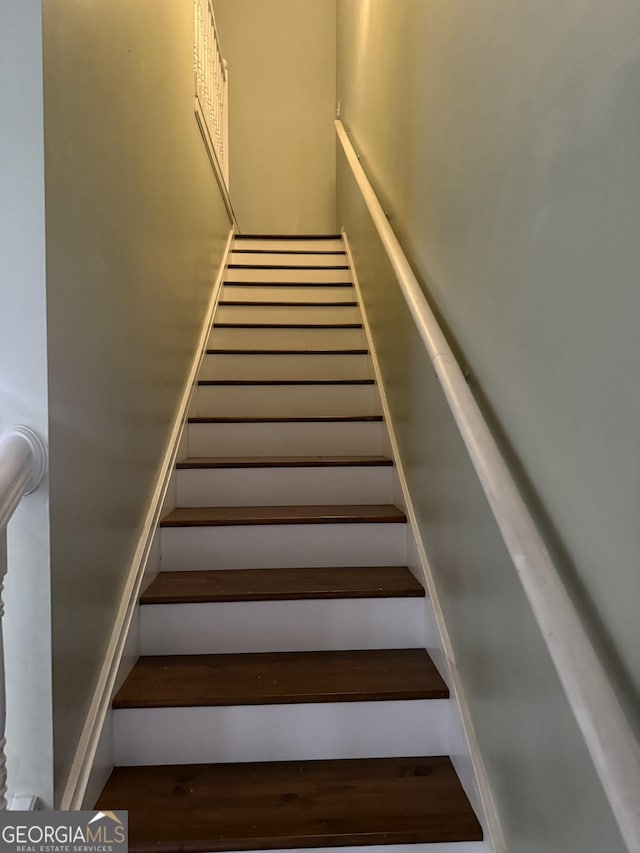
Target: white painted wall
x=135 y=230
x=282 y=60
x=23 y=394
x=502 y=140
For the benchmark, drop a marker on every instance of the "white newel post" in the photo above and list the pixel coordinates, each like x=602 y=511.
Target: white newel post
x=3 y=702
x=23 y=462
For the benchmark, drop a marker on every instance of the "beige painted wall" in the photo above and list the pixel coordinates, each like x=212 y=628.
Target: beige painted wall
x=281 y=56
x=503 y=141
x=135 y=232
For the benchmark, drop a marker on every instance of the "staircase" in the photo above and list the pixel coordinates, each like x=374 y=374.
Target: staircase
x=284 y=698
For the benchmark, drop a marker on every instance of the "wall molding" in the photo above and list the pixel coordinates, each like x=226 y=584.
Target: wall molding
x=82 y=767
x=481 y=795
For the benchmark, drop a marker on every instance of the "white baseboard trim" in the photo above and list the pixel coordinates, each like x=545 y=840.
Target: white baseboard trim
x=476 y=782
x=80 y=777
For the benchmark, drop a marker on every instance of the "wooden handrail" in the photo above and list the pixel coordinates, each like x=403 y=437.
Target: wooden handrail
x=608 y=736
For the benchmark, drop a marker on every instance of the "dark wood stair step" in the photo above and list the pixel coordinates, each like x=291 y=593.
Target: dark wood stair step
x=283 y=267
x=288 y=284
x=326 y=419
x=287 y=351
x=287 y=326
x=282 y=585
x=251 y=515
x=295 y=804
x=287 y=237
x=279 y=678
x=238 y=251
x=248 y=382
x=244 y=303
x=198 y=462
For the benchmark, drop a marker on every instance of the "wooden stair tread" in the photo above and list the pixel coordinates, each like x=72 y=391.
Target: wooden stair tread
x=287 y=352
x=294 y=804
x=287 y=326
x=284 y=462
x=288 y=284
x=321 y=419
x=239 y=515
x=284 y=267
x=249 y=382
x=238 y=251
x=287 y=237
x=282 y=585
x=245 y=303
x=278 y=678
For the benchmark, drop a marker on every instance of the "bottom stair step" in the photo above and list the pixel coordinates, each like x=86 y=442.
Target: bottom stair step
x=287 y=805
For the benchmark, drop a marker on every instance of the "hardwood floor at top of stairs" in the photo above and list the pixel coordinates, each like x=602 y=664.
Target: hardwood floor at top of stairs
x=285 y=698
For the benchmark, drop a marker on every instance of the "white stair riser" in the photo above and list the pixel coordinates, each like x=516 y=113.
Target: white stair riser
x=278 y=275
x=275 y=293
x=283 y=546
x=282 y=626
x=284 y=486
x=287 y=338
x=281 y=732
x=261 y=258
x=298 y=366
x=287 y=400
x=287 y=439
x=286 y=314
x=287 y=245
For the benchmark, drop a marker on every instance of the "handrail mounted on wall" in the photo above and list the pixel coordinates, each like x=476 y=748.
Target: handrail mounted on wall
x=611 y=743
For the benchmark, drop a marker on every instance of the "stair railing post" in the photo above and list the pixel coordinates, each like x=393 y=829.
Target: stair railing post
x=23 y=462
x=3 y=697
